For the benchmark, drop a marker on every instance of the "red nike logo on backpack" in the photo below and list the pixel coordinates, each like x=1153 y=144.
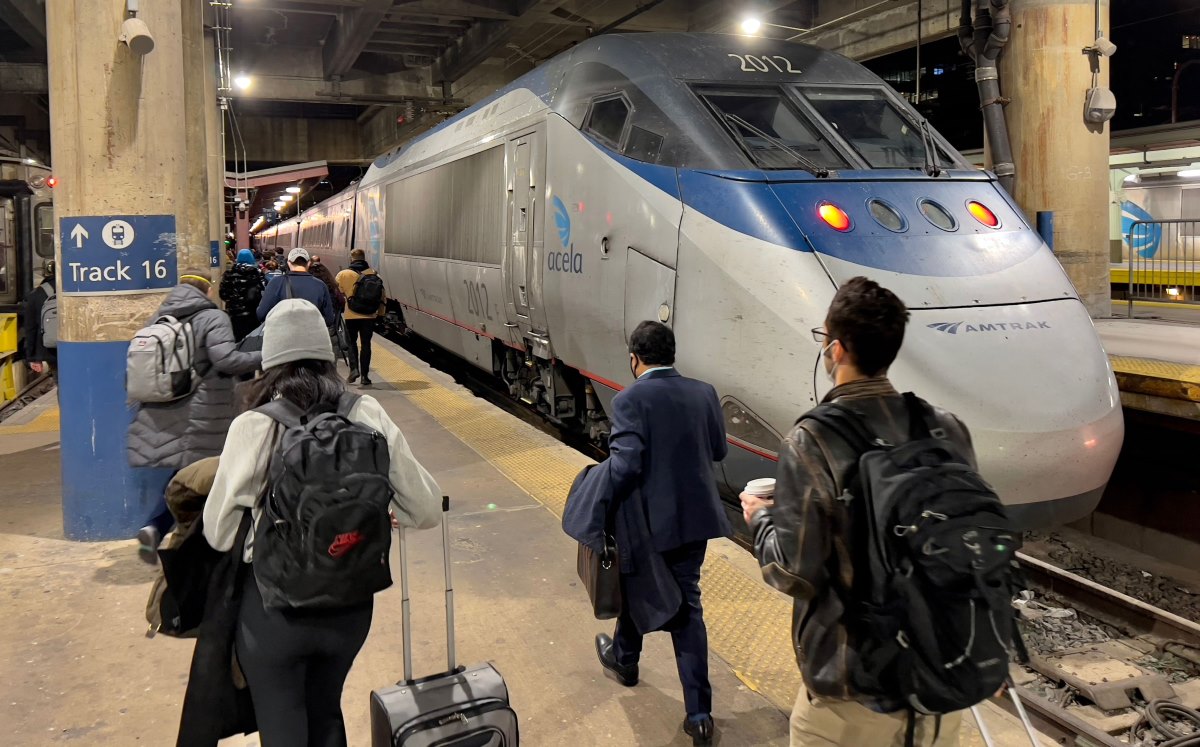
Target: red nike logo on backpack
x=343 y=542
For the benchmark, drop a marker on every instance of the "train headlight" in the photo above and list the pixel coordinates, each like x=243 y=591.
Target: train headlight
x=983 y=214
x=834 y=216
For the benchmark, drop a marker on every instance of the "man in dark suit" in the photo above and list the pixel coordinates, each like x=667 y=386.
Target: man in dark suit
x=667 y=432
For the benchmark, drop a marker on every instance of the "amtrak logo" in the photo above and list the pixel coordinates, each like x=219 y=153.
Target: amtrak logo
x=953 y=328
x=562 y=221
x=1145 y=239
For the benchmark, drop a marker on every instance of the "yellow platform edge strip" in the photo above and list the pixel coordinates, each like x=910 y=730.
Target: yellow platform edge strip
x=45 y=422
x=1155 y=368
x=748 y=623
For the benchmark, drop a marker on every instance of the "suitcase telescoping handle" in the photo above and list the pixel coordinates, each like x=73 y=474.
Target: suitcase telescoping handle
x=405 y=615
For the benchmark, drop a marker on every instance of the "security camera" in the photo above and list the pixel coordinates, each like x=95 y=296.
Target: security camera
x=1102 y=47
x=1099 y=105
x=136 y=34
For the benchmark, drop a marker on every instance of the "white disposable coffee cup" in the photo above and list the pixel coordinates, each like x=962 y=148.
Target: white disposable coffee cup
x=763 y=487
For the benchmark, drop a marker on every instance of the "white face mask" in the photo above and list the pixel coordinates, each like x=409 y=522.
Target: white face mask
x=831 y=369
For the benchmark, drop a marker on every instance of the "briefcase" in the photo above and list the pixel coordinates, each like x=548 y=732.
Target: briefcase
x=601 y=576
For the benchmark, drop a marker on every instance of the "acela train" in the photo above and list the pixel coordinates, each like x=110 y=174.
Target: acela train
x=726 y=186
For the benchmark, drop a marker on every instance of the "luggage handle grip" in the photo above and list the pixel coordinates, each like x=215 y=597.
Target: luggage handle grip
x=405 y=611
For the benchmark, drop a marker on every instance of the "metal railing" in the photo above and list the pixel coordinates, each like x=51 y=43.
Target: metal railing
x=1164 y=261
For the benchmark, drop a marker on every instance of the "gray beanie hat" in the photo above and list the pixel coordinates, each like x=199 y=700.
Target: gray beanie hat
x=295 y=331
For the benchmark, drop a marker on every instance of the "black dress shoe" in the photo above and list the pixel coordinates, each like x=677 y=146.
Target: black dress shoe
x=626 y=675
x=701 y=732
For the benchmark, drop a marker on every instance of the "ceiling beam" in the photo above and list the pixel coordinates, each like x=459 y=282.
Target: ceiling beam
x=23 y=77
x=456 y=9
x=350 y=34
x=485 y=38
x=27 y=19
x=413 y=27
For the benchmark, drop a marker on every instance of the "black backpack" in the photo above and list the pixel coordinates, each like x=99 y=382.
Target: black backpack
x=368 y=294
x=931 y=614
x=323 y=537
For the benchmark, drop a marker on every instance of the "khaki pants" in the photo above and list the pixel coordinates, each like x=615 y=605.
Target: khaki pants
x=844 y=723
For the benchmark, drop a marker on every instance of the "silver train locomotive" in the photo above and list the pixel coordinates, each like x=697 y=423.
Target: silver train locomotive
x=726 y=186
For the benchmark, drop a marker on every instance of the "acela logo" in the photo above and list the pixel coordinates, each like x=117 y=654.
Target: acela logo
x=952 y=328
x=562 y=221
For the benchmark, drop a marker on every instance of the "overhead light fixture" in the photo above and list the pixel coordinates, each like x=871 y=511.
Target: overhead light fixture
x=751 y=25
x=31 y=161
x=286 y=198
x=1189 y=174
x=1132 y=179
x=293 y=190
x=242 y=81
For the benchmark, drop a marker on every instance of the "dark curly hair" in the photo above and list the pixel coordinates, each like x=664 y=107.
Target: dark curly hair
x=869 y=321
x=654 y=343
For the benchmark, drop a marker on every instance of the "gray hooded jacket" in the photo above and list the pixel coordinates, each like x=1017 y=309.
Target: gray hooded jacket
x=175 y=434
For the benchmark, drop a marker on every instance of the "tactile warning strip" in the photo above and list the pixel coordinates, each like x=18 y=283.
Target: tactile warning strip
x=45 y=422
x=1157 y=378
x=748 y=623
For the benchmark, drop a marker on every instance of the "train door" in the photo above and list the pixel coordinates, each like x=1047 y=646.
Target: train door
x=522 y=252
x=8 y=251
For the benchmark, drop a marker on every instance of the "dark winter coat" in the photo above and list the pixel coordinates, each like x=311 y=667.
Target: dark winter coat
x=242 y=289
x=35 y=351
x=175 y=434
x=298 y=285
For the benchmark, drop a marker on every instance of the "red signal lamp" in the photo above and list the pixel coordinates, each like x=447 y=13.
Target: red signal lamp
x=834 y=216
x=983 y=214
x=51 y=182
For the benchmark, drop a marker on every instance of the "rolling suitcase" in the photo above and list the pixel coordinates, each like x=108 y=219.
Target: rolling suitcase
x=462 y=707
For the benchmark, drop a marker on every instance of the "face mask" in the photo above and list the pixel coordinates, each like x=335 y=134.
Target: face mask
x=830 y=364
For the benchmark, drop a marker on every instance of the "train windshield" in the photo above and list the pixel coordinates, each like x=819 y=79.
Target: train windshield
x=770 y=130
x=873 y=126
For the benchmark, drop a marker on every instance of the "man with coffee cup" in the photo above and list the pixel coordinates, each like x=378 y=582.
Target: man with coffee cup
x=659 y=485
x=806 y=544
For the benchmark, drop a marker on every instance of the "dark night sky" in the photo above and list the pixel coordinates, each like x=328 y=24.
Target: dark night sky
x=1149 y=37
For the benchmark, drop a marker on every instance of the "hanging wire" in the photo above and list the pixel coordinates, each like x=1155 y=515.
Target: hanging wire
x=920 y=19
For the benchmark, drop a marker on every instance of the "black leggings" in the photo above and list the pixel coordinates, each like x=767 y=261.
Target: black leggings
x=360 y=358
x=296 y=664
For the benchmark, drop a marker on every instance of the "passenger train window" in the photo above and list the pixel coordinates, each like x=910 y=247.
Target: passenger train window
x=871 y=123
x=606 y=119
x=770 y=130
x=643 y=144
x=44 y=218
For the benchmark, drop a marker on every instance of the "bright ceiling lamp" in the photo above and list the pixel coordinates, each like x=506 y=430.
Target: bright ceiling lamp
x=242 y=81
x=1189 y=173
x=292 y=190
x=751 y=25
x=286 y=198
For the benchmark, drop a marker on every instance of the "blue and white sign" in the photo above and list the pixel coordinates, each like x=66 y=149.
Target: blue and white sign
x=110 y=254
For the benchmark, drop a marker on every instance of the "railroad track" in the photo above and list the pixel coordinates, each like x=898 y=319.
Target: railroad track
x=1105 y=674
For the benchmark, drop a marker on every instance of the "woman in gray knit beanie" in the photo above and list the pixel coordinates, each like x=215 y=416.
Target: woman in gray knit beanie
x=296 y=660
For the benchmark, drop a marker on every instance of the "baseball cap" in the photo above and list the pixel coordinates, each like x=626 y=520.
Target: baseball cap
x=298 y=253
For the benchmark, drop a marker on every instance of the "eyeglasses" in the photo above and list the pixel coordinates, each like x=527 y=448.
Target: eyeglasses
x=819 y=335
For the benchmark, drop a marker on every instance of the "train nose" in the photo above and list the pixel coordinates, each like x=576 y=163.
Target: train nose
x=1035 y=388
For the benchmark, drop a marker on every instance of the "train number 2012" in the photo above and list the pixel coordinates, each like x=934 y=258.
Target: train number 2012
x=477 y=299
x=764 y=63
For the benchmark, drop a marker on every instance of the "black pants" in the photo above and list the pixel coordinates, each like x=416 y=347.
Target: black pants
x=243 y=325
x=360 y=358
x=687 y=630
x=296 y=664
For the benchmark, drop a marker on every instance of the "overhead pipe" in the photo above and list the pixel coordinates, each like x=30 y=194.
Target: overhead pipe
x=983 y=39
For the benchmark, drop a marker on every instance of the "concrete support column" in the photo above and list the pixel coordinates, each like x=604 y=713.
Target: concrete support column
x=120 y=130
x=1061 y=159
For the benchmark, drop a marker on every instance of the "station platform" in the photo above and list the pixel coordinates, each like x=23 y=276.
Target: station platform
x=77 y=667
x=1155 y=353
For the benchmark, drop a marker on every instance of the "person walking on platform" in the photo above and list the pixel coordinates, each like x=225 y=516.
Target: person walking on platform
x=658 y=490
x=366 y=301
x=812 y=539
x=242 y=290
x=321 y=272
x=297 y=282
x=174 y=434
x=41 y=326
x=271 y=270
x=296 y=658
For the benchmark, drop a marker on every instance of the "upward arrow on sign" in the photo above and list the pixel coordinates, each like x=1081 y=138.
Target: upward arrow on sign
x=79 y=233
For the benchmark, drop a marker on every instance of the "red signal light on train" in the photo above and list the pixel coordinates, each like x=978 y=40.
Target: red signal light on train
x=51 y=182
x=834 y=216
x=981 y=213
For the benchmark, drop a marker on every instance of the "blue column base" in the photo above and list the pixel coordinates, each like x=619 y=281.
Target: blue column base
x=103 y=498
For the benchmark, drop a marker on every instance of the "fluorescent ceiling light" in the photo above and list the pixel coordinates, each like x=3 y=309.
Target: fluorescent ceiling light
x=751 y=25
x=293 y=190
x=242 y=81
x=1189 y=173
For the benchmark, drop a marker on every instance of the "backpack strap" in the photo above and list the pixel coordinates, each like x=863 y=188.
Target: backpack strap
x=346 y=403
x=287 y=280
x=284 y=412
x=848 y=424
x=922 y=423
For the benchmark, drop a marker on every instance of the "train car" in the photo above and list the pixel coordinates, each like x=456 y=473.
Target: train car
x=26 y=229
x=726 y=186
x=326 y=229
